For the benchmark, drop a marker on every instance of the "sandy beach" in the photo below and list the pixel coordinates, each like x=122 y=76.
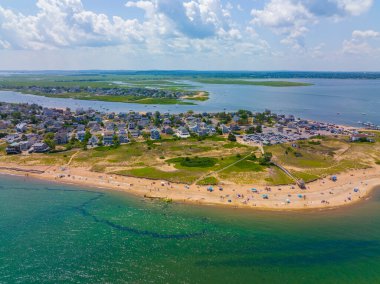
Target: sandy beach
x=350 y=187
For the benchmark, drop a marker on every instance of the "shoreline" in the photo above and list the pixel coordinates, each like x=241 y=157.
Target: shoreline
x=347 y=124
x=320 y=194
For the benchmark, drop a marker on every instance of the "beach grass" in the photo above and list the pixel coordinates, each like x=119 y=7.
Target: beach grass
x=188 y=160
x=208 y=181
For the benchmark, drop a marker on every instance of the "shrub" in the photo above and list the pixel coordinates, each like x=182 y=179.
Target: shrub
x=196 y=162
x=208 y=181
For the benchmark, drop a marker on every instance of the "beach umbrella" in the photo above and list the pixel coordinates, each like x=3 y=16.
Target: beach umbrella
x=254 y=190
x=300 y=195
x=287 y=200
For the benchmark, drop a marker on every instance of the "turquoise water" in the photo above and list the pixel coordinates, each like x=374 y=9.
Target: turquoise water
x=53 y=233
x=344 y=101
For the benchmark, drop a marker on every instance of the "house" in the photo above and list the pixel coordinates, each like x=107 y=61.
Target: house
x=94 y=126
x=40 y=147
x=134 y=133
x=168 y=130
x=110 y=126
x=11 y=138
x=131 y=126
x=144 y=121
x=93 y=141
x=4 y=124
x=25 y=145
x=155 y=134
x=235 y=127
x=167 y=121
x=81 y=127
x=123 y=138
x=13 y=148
x=194 y=127
x=81 y=135
x=225 y=129
x=361 y=137
x=21 y=127
x=236 y=118
x=108 y=137
x=182 y=132
x=61 y=138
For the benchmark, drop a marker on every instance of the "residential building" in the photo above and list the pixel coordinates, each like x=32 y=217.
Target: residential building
x=155 y=134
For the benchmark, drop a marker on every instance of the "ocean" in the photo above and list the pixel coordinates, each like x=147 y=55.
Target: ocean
x=51 y=233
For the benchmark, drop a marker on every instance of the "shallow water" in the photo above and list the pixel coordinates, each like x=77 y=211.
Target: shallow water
x=56 y=233
x=344 y=101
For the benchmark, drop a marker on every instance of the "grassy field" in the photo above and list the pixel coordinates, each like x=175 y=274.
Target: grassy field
x=211 y=161
x=311 y=160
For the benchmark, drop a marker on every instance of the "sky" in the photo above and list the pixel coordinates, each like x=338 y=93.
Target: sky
x=315 y=35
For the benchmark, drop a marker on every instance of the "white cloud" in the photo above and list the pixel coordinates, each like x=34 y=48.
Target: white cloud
x=168 y=27
x=285 y=17
x=365 y=34
x=63 y=23
x=362 y=43
x=293 y=18
x=354 y=7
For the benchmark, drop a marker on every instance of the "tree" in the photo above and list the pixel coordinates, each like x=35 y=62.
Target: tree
x=49 y=136
x=116 y=141
x=250 y=130
x=265 y=160
x=87 y=137
x=16 y=115
x=157 y=119
x=231 y=137
x=33 y=119
x=259 y=129
x=100 y=140
x=50 y=143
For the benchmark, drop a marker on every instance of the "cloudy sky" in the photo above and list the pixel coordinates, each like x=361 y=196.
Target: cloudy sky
x=192 y=34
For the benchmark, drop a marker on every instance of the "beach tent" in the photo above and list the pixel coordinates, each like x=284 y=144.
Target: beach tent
x=254 y=190
x=211 y=189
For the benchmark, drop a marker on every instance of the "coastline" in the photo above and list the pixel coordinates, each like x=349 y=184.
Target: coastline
x=320 y=194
